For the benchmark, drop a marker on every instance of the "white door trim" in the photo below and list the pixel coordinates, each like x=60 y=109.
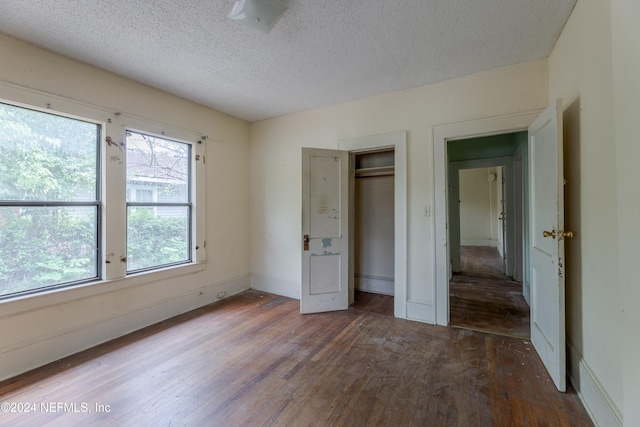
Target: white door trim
x=518 y=186
x=442 y=134
x=397 y=141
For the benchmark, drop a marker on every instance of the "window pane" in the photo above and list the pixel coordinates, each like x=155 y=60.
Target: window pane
x=46 y=157
x=161 y=165
x=157 y=236
x=45 y=246
x=144 y=195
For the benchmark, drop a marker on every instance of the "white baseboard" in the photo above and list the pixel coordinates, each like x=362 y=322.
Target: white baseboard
x=275 y=286
x=601 y=408
x=374 y=284
x=38 y=352
x=478 y=242
x=421 y=311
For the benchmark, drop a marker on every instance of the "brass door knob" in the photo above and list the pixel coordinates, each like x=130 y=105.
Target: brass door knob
x=565 y=234
x=560 y=234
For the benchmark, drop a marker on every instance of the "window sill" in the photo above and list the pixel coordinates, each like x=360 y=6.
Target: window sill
x=13 y=306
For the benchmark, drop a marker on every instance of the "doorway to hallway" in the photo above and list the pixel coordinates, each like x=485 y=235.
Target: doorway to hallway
x=482 y=298
x=543 y=256
x=486 y=201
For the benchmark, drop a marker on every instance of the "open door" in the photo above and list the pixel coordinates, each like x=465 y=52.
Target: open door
x=503 y=219
x=325 y=231
x=547 y=242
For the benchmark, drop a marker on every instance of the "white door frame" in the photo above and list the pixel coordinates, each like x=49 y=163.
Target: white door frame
x=442 y=134
x=398 y=142
x=518 y=219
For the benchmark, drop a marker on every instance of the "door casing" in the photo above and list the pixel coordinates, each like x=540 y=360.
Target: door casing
x=441 y=135
x=398 y=142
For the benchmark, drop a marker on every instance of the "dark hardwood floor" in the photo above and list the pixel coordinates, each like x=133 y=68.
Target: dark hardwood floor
x=482 y=298
x=254 y=360
x=373 y=303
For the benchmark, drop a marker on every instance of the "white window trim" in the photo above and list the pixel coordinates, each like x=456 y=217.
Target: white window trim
x=113 y=172
x=194 y=185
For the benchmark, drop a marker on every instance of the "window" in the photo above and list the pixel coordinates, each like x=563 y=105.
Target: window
x=144 y=195
x=49 y=200
x=159 y=206
x=63 y=197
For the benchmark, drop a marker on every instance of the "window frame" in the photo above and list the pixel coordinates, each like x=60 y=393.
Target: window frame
x=155 y=204
x=112 y=212
x=96 y=202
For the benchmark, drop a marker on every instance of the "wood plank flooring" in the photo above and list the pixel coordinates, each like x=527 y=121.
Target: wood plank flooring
x=483 y=299
x=373 y=303
x=253 y=360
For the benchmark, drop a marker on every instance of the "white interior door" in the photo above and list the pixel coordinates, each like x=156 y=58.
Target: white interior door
x=503 y=219
x=325 y=231
x=547 y=242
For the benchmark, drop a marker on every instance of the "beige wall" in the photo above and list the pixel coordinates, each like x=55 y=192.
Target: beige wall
x=374 y=234
x=43 y=328
x=478 y=207
x=626 y=89
x=581 y=72
x=276 y=156
x=594 y=68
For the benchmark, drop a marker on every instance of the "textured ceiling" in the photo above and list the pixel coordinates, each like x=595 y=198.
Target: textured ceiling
x=321 y=52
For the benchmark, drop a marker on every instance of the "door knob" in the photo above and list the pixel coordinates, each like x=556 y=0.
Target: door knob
x=560 y=234
x=306 y=242
x=564 y=234
x=551 y=234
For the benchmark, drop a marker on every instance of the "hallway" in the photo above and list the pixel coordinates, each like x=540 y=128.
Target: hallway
x=482 y=298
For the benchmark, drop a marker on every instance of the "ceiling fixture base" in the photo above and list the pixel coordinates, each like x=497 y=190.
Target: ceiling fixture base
x=260 y=15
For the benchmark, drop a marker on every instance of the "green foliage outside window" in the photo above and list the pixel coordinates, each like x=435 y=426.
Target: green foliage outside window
x=154 y=240
x=49 y=203
x=46 y=159
x=42 y=247
x=157 y=226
